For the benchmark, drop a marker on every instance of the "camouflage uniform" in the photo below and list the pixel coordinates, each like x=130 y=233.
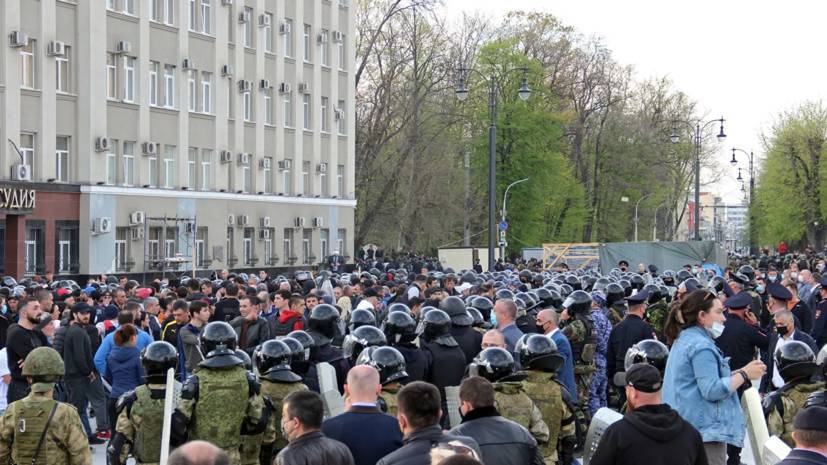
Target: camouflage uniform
x=547 y=394
x=616 y=312
x=276 y=392
x=141 y=421
x=600 y=383
x=656 y=315
x=216 y=409
x=515 y=405
x=784 y=404
x=580 y=333
x=387 y=398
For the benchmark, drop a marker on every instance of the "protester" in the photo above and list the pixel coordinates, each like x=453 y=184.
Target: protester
x=301 y=422
x=124 y=364
x=810 y=437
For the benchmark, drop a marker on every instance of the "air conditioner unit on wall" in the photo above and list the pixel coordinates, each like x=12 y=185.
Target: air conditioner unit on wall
x=244 y=159
x=227 y=70
x=137 y=217
x=226 y=156
x=265 y=222
x=264 y=21
x=242 y=220
x=337 y=36
x=124 y=46
x=299 y=222
x=284 y=88
x=102 y=225
x=264 y=84
x=56 y=48
x=244 y=17
x=285 y=164
x=318 y=222
x=230 y=219
x=102 y=144
x=21 y=172
x=150 y=148
x=264 y=163
x=322 y=168
x=136 y=233
x=304 y=88
x=187 y=64
x=245 y=86
x=284 y=27
x=18 y=39
x=264 y=234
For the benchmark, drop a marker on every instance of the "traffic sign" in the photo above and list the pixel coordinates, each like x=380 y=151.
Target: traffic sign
x=503 y=225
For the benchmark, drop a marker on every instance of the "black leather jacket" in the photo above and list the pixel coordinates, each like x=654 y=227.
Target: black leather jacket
x=417 y=447
x=315 y=449
x=502 y=441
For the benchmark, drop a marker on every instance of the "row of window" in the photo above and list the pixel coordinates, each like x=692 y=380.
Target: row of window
x=251 y=254
x=66 y=247
x=60 y=160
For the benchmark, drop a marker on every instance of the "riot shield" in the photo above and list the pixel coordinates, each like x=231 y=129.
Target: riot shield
x=775 y=450
x=600 y=421
x=452 y=399
x=169 y=407
x=334 y=404
x=757 y=432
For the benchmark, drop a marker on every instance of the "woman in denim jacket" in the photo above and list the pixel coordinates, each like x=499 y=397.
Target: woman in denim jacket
x=698 y=382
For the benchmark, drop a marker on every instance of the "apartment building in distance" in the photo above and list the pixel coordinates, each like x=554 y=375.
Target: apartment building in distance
x=159 y=135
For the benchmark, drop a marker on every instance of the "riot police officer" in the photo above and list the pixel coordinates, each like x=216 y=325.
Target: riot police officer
x=461 y=327
x=649 y=351
x=390 y=364
x=627 y=333
x=273 y=363
x=22 y=427
x=361 y=317
x=540 y=360
x=448 y=360
x=400 y=331
x=323 y=326
x=497 y=365
x=361 y=338
x=211 y=408
x=140 y=413
x=579 y=329
x=615 y=305
x=302 y=363
x=657 y=310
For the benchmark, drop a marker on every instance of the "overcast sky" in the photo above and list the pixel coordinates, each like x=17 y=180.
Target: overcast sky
x=745 y=61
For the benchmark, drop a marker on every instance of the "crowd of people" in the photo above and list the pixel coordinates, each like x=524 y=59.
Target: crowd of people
x=433 y=366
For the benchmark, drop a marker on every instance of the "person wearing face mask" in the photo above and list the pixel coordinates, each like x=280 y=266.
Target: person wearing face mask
x=819 y=332
x=784 y=333
x=698 y=381
x=651 y=431
x=778 y=297
x=301 y=422
x=800 y=309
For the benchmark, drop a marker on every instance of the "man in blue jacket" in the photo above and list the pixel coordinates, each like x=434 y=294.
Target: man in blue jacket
x=125 y=317
x=547 y=322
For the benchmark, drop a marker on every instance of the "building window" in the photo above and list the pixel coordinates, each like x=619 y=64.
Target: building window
x=191 y=74
x=323 y=114
x=206 y=169
x=121 y=248
x=268 y=250
x=325 y=190
x=110 y=4
x=231 y=259
x=306 y=177
x=129 y=79
x=155 y=10
x=285 y=182
x=307 y=247
x=171 y=242
x=192 y=169
x=62 y=159
x=268 y=107
x=35 y=247
x=192 y=13
x=206 y=16
x=268 y=34
x=68 y=244
x=341 y=241
x=341 y=118
x=129 y=7
x=325 y=48
x=249 y=234
x=231 y=98
x=246 y=178
x=308 y=47
x=128 y=163
x=288 y=246
x=154 y=243
x=324 y=240
x=288 y=110
x=340 y=181
x=306 y=111
x=248 y=106
x=27 y=58
x=169 y=166
x=267 y=176
x=206 y=92
x=340 y=47
x=288 y=37
x=200 y=247
x=27 y=149
x=62 y=71
x=153 y=171
x=112 y=164
x=169 y=11
x=111 y=76
x=248 y=27
x=154 y=67
x=169 y=86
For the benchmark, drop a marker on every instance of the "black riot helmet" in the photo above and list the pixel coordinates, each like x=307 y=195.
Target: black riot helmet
x=748 y=271
x=538 y=352
x=399 y=327
x=637 y=281
x=556 y=300
x=493 y=364
x=455 y=308
x=306 y=341
x=572 y=281
x=655 y=295
x=361 y=317
x=361 y=337
x=821 y=360
x=650 y=351
x=682 y=276
x=816 y=399
x=436 y=327
x=614 y=294
x=476 y=316
x=627 y=287
x=578 y=302
x=248 y=362
x=717 y=284
x=399 y=307
x=528 y=300
x=299 y=356
x=157 y=358
x=795 y=360
x=668 y=278
x=272 y=361
x=323 y=320
x=600 y=284
x=484 y=305
x=218 y=344
x=544 y=297
x=503 y=294
x=389 y=362
x=525 y=276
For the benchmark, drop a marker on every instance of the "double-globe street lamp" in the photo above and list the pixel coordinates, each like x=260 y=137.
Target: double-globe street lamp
x=697 y=130
x=524 y=93
x=734 y=162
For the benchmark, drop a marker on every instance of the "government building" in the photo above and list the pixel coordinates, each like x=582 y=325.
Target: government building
x=157 y=136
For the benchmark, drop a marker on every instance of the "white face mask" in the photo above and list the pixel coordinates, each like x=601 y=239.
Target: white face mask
x=715 y=330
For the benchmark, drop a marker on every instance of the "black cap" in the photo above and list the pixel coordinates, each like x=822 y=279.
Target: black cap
x=642 y=377
x=823 y=283
x=739 y=301
x=739 y=278
x=82 y=307
x=779 y=292
x=370 y=292
x=811 y=418
x=638 y=298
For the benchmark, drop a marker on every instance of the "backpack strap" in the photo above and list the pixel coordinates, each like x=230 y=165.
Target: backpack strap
x=43 y=434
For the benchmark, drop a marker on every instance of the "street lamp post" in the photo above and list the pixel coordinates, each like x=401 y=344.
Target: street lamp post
x=696 y=142
x=637 y=204
x=655 y=225
x=462 y=94
x=504 y=210
x=734 y=162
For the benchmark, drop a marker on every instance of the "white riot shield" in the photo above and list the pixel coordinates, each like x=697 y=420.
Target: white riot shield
x=600 y=421
x=452 y=399
x=171 y=397
x=757 y=432
x=775 y=450
x=334 y=404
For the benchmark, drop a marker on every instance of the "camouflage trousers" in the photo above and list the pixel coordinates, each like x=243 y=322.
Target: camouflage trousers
x=250 y=449
x=583 y=384
x=597 y=390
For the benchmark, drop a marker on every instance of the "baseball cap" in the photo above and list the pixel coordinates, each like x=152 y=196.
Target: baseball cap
x=642 y=377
